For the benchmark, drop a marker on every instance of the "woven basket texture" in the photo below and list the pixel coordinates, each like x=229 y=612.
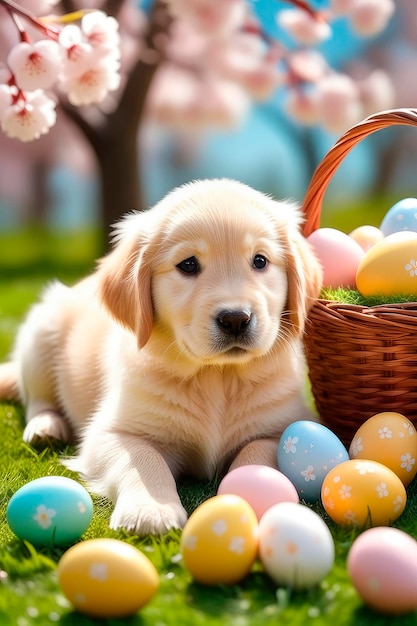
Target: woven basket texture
x=361 y=360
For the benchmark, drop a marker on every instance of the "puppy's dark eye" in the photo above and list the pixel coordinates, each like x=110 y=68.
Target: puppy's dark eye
x=259 y=262
x=189 y=266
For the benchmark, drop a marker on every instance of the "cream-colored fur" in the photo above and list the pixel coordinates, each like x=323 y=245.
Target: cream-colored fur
x=159 y=372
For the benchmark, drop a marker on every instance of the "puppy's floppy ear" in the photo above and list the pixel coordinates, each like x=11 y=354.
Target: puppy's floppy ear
x=305 y=278
x=124 y=281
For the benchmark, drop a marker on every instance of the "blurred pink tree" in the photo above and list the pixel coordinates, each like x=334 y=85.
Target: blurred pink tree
x=186 y=63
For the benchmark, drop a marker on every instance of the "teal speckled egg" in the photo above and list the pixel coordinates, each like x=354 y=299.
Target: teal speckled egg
x=53 y=510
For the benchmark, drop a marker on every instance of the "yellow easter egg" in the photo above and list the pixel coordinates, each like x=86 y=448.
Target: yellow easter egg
x=366 y=236
x=107 y=578
x=363 y=493
x=390 y=266
x=391 y=439
x=220 y=540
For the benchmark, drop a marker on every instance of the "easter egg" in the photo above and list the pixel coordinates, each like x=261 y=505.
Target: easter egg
x=363 y=493
x=390 y=266
x=259 y=485
x=307 y=451
x=339 y=256
x=219 y=542
x=53 y=510
x=107 y=578
x=401 y=216
x=382 y=564
x=391 y=439
x=366 y=236
x=296 y=547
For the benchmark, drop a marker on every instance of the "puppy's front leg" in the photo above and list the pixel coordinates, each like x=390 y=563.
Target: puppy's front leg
x=136 y=477
x=257 y=452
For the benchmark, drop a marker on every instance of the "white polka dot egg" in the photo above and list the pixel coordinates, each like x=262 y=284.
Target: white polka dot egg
x=295 y=545
x=53 y=510
x=219 y=543
x=107 y=578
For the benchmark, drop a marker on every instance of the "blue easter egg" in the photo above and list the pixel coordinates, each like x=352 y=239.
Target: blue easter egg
x=53 y=510
x=307 y=451
x=401 y=216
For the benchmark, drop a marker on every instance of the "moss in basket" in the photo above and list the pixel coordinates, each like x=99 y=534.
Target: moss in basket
x=351 y=296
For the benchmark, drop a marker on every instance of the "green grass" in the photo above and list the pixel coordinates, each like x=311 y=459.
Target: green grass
x=29 y=591
x=351 y=296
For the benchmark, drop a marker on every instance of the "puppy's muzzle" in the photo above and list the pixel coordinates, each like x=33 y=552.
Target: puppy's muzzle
x=234 y=323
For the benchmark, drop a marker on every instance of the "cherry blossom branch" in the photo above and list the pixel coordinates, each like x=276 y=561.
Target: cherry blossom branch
x=15 y=9
x=305 y=6
x=22 y=32
x=216 y=54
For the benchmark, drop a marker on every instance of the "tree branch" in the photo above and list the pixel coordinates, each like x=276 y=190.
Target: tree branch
x=90 y=131
x=132 y=102
x=113 y=7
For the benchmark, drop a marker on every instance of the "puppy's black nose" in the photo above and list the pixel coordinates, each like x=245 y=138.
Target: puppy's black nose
x=234 y=322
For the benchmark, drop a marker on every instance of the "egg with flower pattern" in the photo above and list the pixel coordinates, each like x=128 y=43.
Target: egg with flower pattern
x=391 y=439
x=52 y=510
x=106 y=578
x=390 y=266
x=307 y=451
x=363 y=493
x=219 y=542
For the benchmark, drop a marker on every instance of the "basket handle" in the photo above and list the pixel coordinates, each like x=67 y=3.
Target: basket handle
x=324 y=172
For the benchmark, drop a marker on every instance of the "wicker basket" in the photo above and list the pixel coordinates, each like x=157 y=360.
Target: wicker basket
x=362 y=360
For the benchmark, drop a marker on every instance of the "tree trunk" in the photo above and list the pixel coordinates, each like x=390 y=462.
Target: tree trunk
x=119 y=176
x=115 y=139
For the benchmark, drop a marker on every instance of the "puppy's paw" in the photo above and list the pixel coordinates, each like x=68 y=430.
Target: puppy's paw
x=47 y=427
x=148 y=517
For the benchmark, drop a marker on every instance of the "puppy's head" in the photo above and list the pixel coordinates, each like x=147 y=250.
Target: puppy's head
x=216 y=272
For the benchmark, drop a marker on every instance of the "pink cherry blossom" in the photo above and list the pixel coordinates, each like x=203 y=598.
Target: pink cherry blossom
x=175 y=99
x=304 y=27
x=370 y=17
x=37 y=65
x=92 y=84
x=303 y=106
x=101 y=31
x=214 y=17
x=338 y=103
x=92 y=66
x=71 y=35
x=307 y=65
x=6 y=99
x=30 y=117
x=376 y=92
x=341 y=7
x=246 y=59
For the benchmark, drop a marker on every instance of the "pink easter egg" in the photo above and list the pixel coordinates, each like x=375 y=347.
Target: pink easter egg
x=261 y=486
x=339 y=256
x=382 y=564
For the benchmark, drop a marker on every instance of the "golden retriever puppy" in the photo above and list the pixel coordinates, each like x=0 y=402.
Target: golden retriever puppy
x=181 y=354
